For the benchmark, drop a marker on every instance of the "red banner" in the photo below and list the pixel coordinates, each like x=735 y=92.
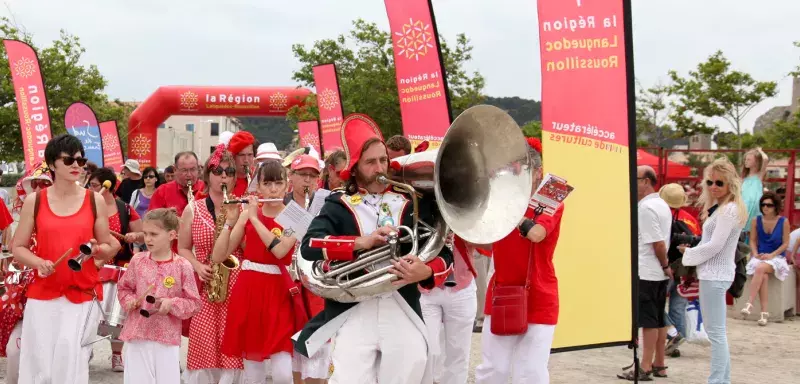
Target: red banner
x=308 y=131
x=329 y=102
x=112 y=146
x=421 y=81
x=587 y=105
x=34 y=119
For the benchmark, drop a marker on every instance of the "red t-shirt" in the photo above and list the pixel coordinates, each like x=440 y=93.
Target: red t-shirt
x=5 y=217
x=240 y=189
x=116 y=226
x=511 y=256
x=172 y=195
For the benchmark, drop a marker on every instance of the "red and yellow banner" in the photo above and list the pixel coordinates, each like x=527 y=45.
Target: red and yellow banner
x=421 y=81
x=329 y=102
x=586 y=138
x=112 y=146
x=308 y=131
x=34 y=118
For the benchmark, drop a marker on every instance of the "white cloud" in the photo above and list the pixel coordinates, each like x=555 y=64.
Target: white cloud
x=140 y=45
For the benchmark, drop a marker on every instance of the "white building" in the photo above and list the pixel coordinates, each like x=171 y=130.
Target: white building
x=199 y=134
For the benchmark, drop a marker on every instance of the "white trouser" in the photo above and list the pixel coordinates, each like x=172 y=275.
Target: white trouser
x=316 y=367
x=55 y=341
x=378 y=342
x=528 y=354
x=213 y=376
x=456 y=311
x=255 y=372
x=150 y=362
x=12 y=354
x=481 y=264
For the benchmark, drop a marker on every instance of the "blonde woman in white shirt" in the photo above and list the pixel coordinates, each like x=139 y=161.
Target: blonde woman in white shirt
x=714 y=257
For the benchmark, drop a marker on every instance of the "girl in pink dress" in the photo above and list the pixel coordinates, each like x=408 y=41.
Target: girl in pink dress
x=260 y=319
x=152 y=332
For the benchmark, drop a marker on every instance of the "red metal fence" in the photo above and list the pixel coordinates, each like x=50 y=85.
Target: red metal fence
x=785 y=186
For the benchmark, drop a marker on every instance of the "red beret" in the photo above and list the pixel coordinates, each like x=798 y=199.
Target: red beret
x=240 y=141
x=535 y=144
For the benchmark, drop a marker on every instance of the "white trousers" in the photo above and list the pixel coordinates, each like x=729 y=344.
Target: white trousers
x=316 y=367
x=455 y=310
x=53 y=335
x=150 y=362
x=213 y=376
x=527 y=354
x=255 y=372
x=378 y=343
x=12 y=354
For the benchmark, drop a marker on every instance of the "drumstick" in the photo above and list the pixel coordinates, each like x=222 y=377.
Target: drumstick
x=117 y=235
x=146 y=292
x=64 y=256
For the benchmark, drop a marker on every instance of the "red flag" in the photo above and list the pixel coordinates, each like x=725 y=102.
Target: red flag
x=309 y=134
x=329 y=102
x=112 y=149
x=421 y=81
x=34 y=119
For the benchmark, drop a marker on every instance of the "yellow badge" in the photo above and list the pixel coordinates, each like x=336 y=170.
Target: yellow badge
x=169 y=282
x=330 y=369
x=126 y=265
x=355 y=199
x=277 y=232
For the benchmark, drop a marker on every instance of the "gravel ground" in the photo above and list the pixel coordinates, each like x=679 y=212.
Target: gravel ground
x=773 y=349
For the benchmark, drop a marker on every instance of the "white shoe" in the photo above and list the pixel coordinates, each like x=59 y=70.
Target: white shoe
x=116 y=363
x=763 y=320
x=746 y=309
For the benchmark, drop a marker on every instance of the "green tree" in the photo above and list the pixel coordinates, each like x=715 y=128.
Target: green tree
x=714 y=89
x=796 y=71
x=652 y=114
x=784 y=134
x=533 y=129
x=66 y=81
x=365 y=65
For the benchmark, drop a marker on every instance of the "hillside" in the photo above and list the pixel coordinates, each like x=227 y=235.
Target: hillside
x=278 y=130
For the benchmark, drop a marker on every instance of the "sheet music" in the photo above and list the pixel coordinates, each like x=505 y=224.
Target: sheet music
x=318 y=201
x=294 y=220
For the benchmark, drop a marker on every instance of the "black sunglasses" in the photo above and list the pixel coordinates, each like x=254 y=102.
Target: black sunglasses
x=768 y=205
x=69 y=160
x=230 y=171
x=151 y=176
x=719 y=183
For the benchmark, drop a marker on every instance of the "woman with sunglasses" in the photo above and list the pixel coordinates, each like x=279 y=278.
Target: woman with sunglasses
x=724 y=215
x=60 y=316
x=140 y=200
x=769 y=238
x=196 y=237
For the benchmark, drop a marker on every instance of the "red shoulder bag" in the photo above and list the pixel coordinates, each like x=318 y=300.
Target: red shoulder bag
x=510 y=305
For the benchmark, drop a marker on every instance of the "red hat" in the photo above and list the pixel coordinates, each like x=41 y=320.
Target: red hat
x=305 y=162
x=240 y=141
x=357 y=128
x=535 y=144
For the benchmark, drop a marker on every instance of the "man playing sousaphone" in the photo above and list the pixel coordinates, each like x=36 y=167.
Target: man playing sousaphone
x=60 y=317
x=380 y=339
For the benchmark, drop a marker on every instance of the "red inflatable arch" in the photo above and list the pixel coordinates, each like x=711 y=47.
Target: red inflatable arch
x=202 y=101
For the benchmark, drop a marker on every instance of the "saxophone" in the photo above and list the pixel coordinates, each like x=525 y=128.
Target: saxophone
x=189 y=196
x=217 y=287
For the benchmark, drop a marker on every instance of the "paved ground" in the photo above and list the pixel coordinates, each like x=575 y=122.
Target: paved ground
x=762 y=355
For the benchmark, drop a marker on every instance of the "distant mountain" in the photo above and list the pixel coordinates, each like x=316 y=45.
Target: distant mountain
x=278 y=131
x=522 y=110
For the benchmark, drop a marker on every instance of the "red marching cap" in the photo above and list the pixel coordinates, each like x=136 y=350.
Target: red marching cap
x=240 y=141
x=357 y=128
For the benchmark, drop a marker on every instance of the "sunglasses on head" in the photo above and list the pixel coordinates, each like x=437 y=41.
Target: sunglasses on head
x=718 y=183
x=217 y=171
x=40 y=184
x=69 y=160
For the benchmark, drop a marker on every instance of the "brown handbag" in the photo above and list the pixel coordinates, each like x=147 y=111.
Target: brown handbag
x=510 y=305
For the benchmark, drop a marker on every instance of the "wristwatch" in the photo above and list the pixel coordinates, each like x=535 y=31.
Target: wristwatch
x=526 y=227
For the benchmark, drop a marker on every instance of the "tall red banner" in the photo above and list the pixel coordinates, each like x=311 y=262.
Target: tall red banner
x=308 y=131
x=421 y=81
x=587 y=114
x=329 y=102
x=112 y=146
x=34 y=119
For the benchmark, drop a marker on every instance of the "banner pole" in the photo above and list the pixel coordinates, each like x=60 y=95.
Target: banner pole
x=631 y=86
x=441 y=63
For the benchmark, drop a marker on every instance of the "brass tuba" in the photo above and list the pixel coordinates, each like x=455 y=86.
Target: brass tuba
x=217 y=287
x=482 y=178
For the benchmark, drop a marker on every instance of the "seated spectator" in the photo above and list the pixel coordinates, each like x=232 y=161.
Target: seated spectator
x=769 y=238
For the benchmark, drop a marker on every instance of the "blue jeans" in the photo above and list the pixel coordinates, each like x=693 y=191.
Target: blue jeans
x=676 y=316
x=713 y=308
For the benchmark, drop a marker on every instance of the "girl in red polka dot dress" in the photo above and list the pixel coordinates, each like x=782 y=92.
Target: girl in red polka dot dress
x=260 y=320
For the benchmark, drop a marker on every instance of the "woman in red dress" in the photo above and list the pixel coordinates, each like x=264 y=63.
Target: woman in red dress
x=205 y=363
x=261 y=321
